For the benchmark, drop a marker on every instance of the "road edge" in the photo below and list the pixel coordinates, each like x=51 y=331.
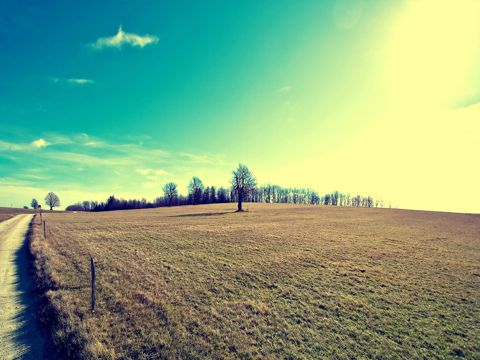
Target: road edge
x=63 y=341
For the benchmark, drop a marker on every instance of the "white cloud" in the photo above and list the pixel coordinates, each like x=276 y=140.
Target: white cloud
x=73 y=81
x=80 y=81
x=123 y=38
x=40 y=143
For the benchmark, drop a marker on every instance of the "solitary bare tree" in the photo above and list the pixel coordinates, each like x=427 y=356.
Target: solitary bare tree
x=170 y=192
x=242 y=182
x=52 y=200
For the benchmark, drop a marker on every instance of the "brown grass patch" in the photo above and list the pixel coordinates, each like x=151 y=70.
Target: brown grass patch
x=276 y=281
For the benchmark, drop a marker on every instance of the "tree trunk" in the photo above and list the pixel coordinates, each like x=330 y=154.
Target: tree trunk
x=240 y=196
x=51 y=208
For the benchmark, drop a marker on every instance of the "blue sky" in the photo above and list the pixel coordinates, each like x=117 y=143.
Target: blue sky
x=119 y=97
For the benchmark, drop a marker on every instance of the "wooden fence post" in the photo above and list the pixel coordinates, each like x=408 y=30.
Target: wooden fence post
x=92 y=269
x=44 y=231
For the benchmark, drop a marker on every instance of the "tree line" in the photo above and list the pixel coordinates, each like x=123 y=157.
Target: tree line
x=243 y=189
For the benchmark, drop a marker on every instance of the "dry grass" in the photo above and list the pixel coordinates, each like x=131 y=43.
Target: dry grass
x=276 y=281
x=7 y=213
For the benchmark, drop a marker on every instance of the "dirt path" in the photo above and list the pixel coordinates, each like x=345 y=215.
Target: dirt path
x=19 y=334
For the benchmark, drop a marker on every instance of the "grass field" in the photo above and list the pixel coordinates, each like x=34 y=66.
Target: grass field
x=7 y=213
x=278 y=281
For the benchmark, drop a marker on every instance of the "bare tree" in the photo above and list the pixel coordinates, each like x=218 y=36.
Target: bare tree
x=34 y=204
x=52 y=200
x=195 y=190
x=242 y=183
x=170 y=191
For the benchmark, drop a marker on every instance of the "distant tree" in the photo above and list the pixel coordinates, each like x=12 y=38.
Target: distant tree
x=34 y=204
x=370 y=201
x=52 y=200
x=326 y=199
x=25 y=207
x=112 y=203
x=213 y=198
x=222 y=195
x=170 y=192
x=206 y=195
x=242 y=183
x=195 y=190
x=159 y=201
x=75 y=207
x=314 y=199
x=86 y=205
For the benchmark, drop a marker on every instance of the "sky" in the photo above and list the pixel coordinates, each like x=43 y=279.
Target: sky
x=380 y=98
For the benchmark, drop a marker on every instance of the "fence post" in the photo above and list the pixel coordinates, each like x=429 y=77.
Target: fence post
x=92 y=269
x=44 y=231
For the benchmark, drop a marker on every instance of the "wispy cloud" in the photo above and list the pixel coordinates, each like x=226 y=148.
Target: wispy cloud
x=58 y=139
x=202 y=158
x=84 y=149
x=154 y=177
x=23 y=147
x=93 y=143
x=92 y=160
x=152 y=174
x=73 y=81
x=87 y=163
x=122 y=38
x=284 y=89
x=88 y=141
x=470 y=100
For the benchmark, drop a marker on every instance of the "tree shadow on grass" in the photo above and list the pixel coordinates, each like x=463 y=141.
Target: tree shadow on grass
x=28 y=337
x=205 y=214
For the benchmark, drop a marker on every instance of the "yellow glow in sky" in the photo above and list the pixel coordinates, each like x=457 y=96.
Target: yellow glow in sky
x=433 y=53
x=419 y=146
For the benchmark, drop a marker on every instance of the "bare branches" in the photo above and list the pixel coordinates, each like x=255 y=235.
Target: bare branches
x=170 y=192
x=52 y=200
x=242 y=182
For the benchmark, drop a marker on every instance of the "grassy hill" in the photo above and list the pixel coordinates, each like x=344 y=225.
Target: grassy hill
x=278 y=281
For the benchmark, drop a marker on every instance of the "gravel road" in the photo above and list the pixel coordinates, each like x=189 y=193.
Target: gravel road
x=20 y=337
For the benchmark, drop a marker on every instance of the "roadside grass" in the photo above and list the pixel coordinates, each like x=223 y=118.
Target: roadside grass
x=278 y=281
x=7 y=213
